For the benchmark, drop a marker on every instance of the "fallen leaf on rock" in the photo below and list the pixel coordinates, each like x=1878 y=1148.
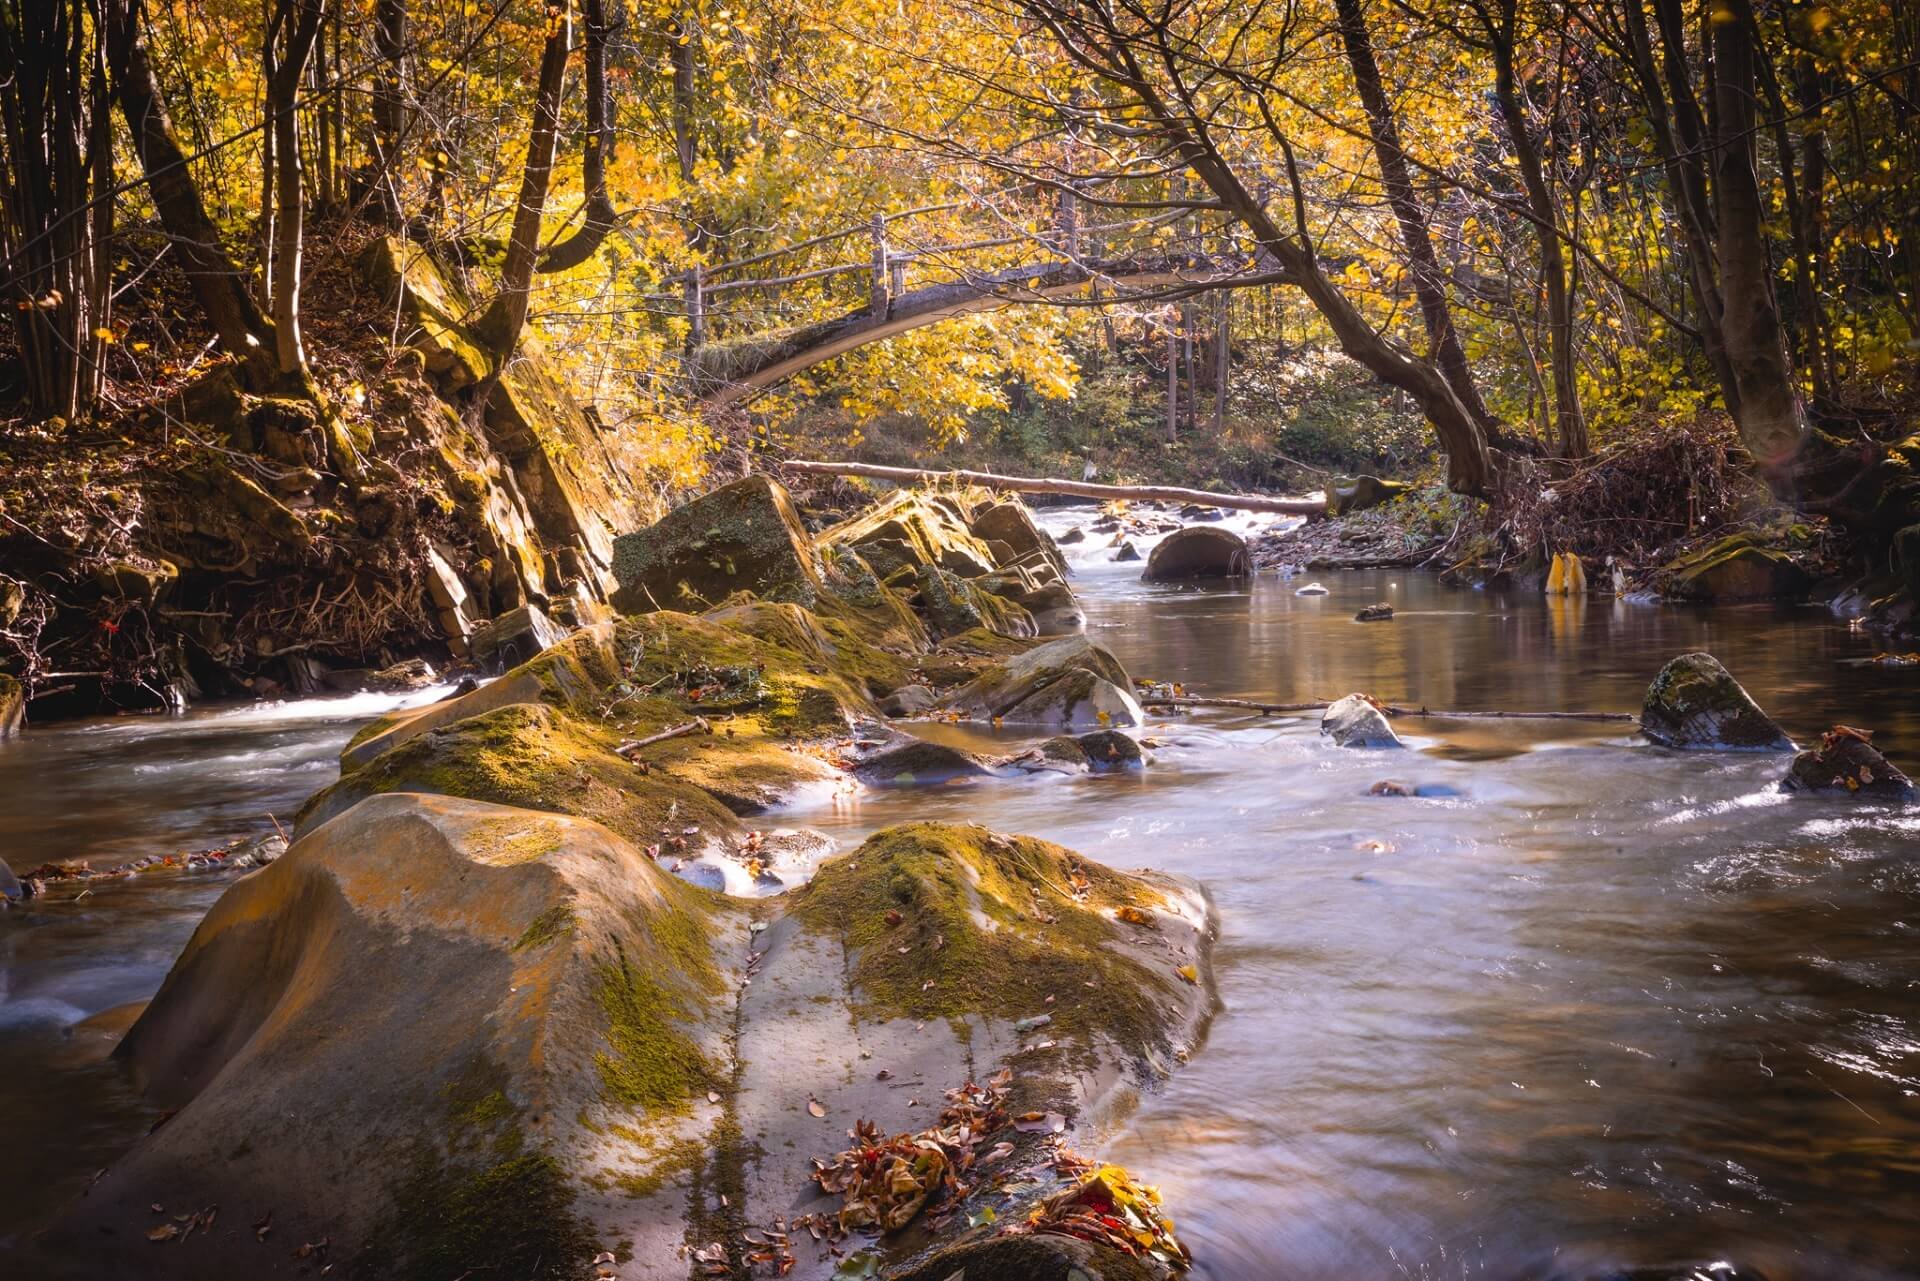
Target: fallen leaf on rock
x=1040 y=1123
x=1190 y=974
x=165 y=1232
x=713 y=1096
x=1134 y=916
x=816 y=1107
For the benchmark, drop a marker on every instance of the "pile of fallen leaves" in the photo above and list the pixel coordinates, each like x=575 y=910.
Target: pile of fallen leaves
x=1107 y=1207
x=884 y=1182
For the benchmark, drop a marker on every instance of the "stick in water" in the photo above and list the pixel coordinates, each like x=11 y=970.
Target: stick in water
x=1268 y=709
x=1072 y=488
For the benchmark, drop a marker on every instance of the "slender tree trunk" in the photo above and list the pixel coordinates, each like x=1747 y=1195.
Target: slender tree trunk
x=686 y=146
x=1569 y=424
x=597 y=214
x=389 y=105
x=300 y=20
x=507 y=315
x=217 y=283
x=1429 y=282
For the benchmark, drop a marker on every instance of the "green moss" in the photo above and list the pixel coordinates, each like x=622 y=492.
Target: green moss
x=505 y=842
x=546 y=927
x=510 y=1217
x=990 y=926
x=665 y=1164
x=650 y=1062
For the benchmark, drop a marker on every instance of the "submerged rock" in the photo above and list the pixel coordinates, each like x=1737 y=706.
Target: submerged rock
x=743 y=537
x=1380 y=613
x=1127 y=551
x=1098 y=752
x=1199 y=552
x=907 y=760
x=1354 y=721
x=1695 y=704
x=1846 y=761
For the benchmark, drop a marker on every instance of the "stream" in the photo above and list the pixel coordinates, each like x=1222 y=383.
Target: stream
x=1585 y=1006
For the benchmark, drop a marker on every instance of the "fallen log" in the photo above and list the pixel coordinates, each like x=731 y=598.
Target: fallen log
x=1070 y=488
x=1269 y=709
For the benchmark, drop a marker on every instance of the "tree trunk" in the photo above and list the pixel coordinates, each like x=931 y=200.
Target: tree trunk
x=1429 y=284
x=597 y=214
x=54 y=221
x=506 y=316
x=389 y=105
x=1569 y=424
x=1771 y=420
x=300 y=19
x=217 y=283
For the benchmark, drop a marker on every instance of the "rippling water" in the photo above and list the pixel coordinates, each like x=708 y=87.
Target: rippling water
x=1599 y=1006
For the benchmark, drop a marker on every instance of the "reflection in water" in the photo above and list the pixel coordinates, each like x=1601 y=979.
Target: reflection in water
x=1601 y=1006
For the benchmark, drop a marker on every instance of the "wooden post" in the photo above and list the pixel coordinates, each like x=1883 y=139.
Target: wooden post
x=897 y=274
x=696 y=308
x=879 y=297
x=1067 y=222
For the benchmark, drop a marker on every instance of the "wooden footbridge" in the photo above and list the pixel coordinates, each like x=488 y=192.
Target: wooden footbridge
x=1068 y=260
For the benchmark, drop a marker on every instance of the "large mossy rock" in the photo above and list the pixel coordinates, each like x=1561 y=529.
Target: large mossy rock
x=1020 y=690
x=1696 y=704
x=1199 y=551
x=912 y=529
x=742 y=537
x=443 y=1037
x=1740 y=567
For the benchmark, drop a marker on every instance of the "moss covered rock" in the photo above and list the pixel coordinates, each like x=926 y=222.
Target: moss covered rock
x=743 y=537
x=1736 y=568
x=1346 y=496
x=1696 y=704
x=1016 y=690
x=429 y=1035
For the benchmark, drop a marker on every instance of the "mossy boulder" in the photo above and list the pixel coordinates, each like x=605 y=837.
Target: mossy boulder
x=908 y=761
x=1739 y=567
x=953 y=604
x=912 y=529
x=1847 y=763
x=532 y=756
x=436 y=1034
x=1199 y=551
x=746 y=536
x=1097 y=752
x=1696 y=704
x=1015 y=690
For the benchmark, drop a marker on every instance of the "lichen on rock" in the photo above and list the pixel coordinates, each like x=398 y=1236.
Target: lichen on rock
x=1696 y=704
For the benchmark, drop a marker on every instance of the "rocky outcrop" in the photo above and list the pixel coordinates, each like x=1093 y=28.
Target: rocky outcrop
x=1198 y=552
x=1357 y=721
x=1069 y=683
x=743 y=537
x=1847 y=763
x=1696 y=704
x=1009 y=523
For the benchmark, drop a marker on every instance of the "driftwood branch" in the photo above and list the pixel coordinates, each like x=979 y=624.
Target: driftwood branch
x=1071 y=488
x=698 y=725
x=1269 y=709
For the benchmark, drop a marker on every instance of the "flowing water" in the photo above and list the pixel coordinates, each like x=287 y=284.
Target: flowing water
x=1585 y=1006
